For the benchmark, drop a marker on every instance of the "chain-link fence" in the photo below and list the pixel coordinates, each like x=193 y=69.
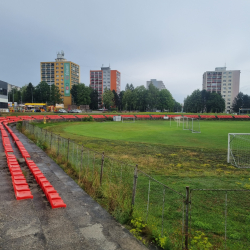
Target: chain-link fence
x=223 y=215
x=197 y=218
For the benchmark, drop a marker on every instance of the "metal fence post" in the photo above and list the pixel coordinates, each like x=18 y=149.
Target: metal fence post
x=186 y=218
x=134 y=185
x=226 y=221
x=58 y=145
x=68 y=151
x=50 y=140
x=102 y=168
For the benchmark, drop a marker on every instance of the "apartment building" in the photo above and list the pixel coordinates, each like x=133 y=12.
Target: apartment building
x=158 y=84
x=3 y=96
x=105 y=78
x=64 y=74
x=223 y=81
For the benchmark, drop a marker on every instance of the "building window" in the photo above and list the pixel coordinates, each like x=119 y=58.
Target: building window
x=224 y=80
x=61 y=63
x=229 y=84
x=57 y=68
x=62 y=83
x=57 y=80
x=61 y=87
x=224 y=84
x=229 y=80
x=229 y=72
x=57 y=75
x=57 y=71
x=229 y=92
x=228 y=99
x=229 y=87
x=61 y=80
x=57 y=83
x=224 y=91
x=61 y=71
x=56 y=63
x=224 y=76
x=61 y=75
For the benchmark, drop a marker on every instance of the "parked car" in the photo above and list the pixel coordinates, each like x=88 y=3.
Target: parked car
x=62 y=111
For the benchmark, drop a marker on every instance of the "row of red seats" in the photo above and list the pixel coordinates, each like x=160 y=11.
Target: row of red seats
x=53 y=117
x=241 y=116
x=225 y=116
x=207 y=116
x=68 y=116
x=51 y=194
x=192 y=116
x=127 y=116
x=82 y=116
x=157 y=116
x=98 y=116
x=21 y=188
x=143 y=116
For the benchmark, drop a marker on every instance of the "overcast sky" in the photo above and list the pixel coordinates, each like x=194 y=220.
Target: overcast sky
x=174 y=41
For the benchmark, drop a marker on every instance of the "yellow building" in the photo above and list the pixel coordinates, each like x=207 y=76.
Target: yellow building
x=64 y=74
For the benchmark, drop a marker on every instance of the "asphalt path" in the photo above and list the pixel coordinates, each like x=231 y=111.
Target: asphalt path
x=33 y=224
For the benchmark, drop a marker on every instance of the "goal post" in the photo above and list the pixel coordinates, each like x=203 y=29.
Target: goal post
x=128 y=119
x=238 y=150
x=191 y=124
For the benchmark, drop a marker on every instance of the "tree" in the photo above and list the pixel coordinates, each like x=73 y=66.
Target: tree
x=74 y=93
x=127 y=100
x=121 y=106
x=215 y=103
x=29 y=93
x=141 y=95
x=116 y=99
x=166 y=101
x=241 y=101
x=153 y=96
x=177 y=106
x=108 y=97
x=200 y=101
x=94 y=99
x=42 y=92
x=55 y=96
x=83 y=94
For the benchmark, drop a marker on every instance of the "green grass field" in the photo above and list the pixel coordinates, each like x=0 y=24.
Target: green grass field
x=178 y=159
x=213 y=133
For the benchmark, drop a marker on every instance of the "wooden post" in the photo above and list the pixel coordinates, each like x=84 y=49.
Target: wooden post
x=186 y=218
x=102 y=168
x=135 y=184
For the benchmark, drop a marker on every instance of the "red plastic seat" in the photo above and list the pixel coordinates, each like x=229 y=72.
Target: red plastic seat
x=21 y=195
x=56 y=203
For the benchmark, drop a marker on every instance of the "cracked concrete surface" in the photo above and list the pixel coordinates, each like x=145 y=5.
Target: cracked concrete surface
x=32 y=224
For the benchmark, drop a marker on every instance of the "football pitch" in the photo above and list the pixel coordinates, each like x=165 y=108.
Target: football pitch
x=177 y=158
x=213 y=133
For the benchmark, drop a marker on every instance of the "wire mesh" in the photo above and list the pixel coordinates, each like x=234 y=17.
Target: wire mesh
x=223 y=215
x=161 y=208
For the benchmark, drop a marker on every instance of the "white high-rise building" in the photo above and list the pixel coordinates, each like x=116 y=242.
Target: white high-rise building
x=225 y=82
x=158 y=84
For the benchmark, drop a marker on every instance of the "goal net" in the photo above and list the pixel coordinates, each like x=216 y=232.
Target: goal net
x=238 y=150
x=128 y=119
x=191 y=124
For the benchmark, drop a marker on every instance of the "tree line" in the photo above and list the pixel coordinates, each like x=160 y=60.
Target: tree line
x=42 y=93
x=241 y=101
x=202 y=101
x=141 y=98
